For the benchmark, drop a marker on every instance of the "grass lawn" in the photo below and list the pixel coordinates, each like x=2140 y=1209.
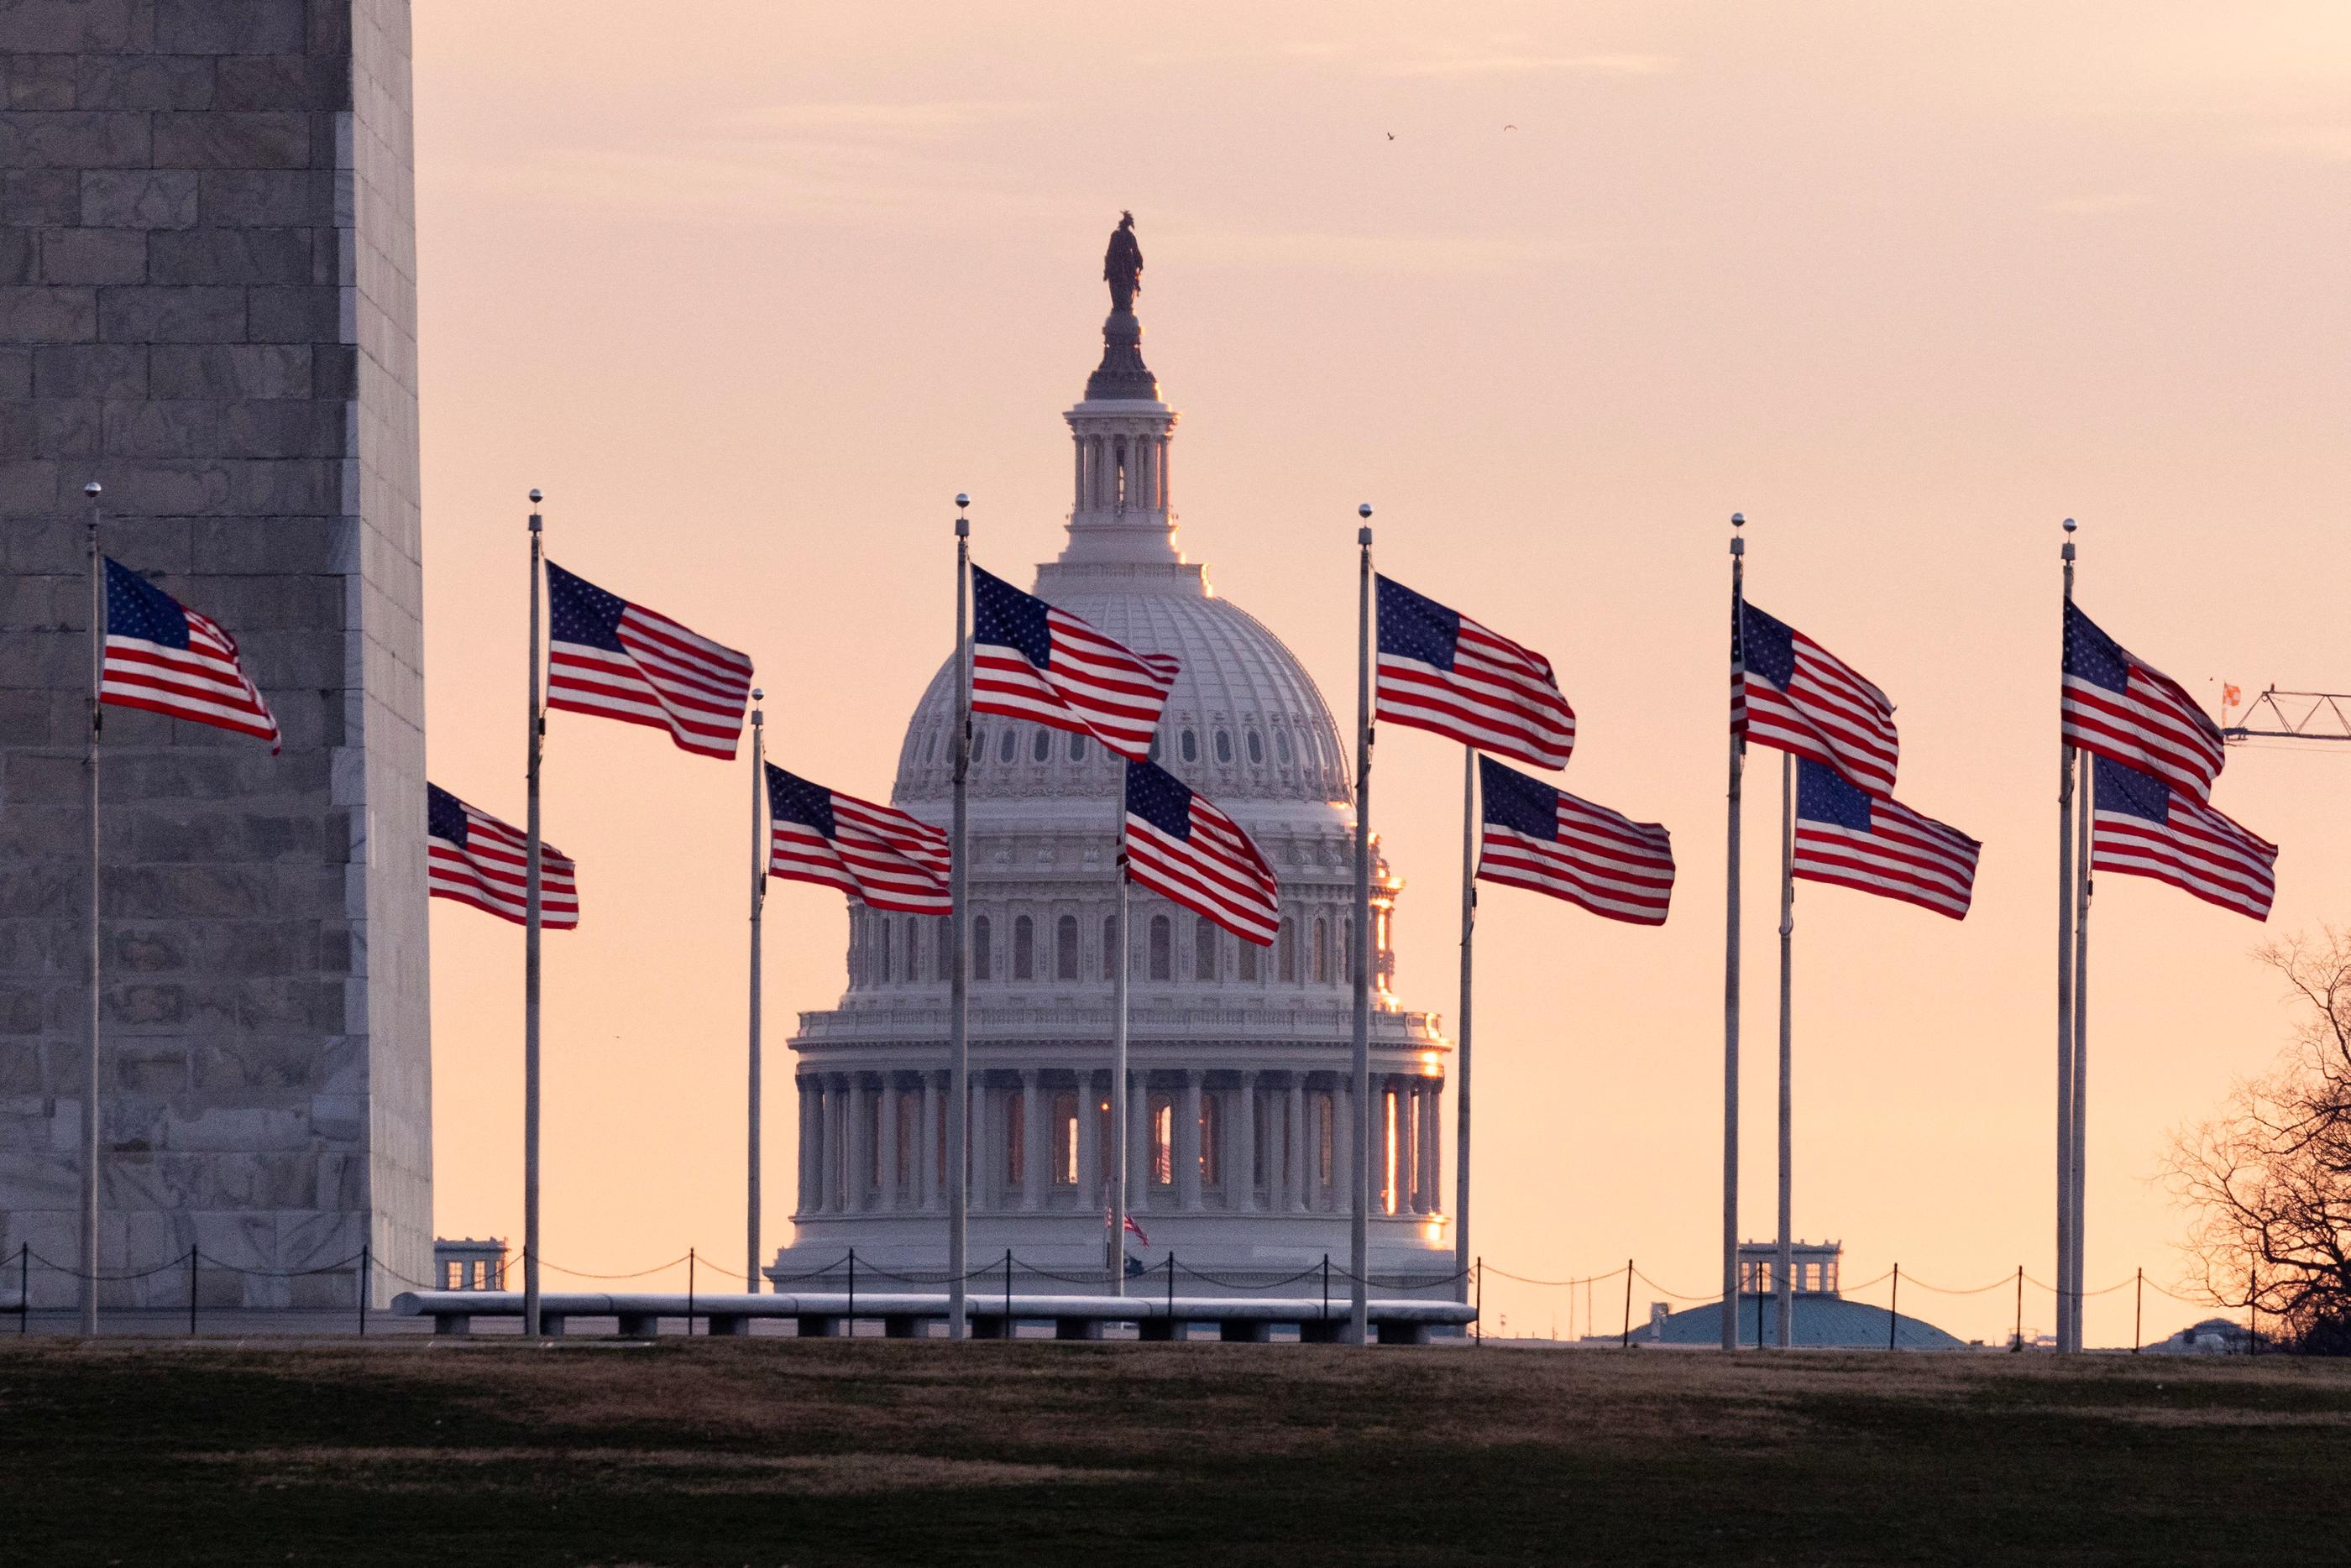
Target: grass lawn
x=778 y=1451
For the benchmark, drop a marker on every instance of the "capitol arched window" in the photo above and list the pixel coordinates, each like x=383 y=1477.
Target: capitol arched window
x=1203 y=949
x=1212 y=1167
x=1008 y=747
x=1322 y=949
x=1326 y=1138
x=1163 y=1141
x=1065 y=1140
x=881 y=968
x=1248 y=962
x=945 y=968
x=1065 y=947
x=1077 y=747
x=1110 y=946
x=1255 y=747
x=981 y=955
x=1191 y=746
x=913 y=948
x=1154 y=753
x=1281 y=746
x=1224 y=746
x=1162 y=947
x=1024 y=948
x=1016 y=1137
x=1285 y=950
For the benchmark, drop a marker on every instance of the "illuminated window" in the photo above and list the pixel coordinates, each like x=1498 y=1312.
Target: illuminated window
x=1016 y=1137
x=1162 y=947
x=1203 y=949
x=1024 y=948
x=1163 y=1141
x=981 y=955
x=1212 y=1167
x=1326 y=1120
x=1065 y=947
x=1388 y=1163
x=1065 y=1140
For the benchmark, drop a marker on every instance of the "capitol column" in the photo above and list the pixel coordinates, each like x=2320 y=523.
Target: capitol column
x=1432 y=1165
x=1033 y=1162
x=1090 y=1159
x=860 y=1158
x=1342 y=1133
x=886 y=1156
x=1241 y=1181
x=827 y=1138
x=1298 y=1183
x=1187 y=1143
x=1138 y=1142
x=926 y=1139
x=808 y=1195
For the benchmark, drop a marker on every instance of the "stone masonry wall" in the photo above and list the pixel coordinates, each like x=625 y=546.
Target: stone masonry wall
x=207 y=303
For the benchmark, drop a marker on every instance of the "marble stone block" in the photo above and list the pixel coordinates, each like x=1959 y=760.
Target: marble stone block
x=207 y=304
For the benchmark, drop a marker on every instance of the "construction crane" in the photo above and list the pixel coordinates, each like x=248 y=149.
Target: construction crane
x=2295 y=715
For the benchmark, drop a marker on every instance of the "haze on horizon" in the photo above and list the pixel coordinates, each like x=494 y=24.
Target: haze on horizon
x=753 y=292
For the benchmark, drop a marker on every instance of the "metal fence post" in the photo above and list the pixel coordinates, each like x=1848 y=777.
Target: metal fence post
x=1894 y=1313
x=851 y=1318
x=1627 y=1343
x=195 y=1262
x=2020 y=1309
x=689 y=1293
x=364 y=1248
x=2138 y=1311
x=23 y=1284
x=1007 y=1289
x=1171 y=1286
x=1478 y=1322
x=1326 y=1287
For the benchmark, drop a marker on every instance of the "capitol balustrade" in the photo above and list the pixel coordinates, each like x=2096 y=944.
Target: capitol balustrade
x=1314 y=1025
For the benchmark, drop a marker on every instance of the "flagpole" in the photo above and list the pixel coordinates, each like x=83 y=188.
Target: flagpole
x=1461 y=1254
x=1730 y=964
x=532 y=920
x=959 y=991
x=89 y=1096
x=1784 y=1286
x=758 y=901
x=1118 y=1096
x=2065 y=894
x=1359 y=1235
x=2086 y=794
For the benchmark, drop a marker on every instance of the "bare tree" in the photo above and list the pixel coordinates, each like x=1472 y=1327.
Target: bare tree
x=2268 y=1180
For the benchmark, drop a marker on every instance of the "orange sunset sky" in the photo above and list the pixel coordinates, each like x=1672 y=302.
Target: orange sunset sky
x=752 y=290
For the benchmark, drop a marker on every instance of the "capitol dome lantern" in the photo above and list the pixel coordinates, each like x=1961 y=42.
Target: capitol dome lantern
x=1240 y=1109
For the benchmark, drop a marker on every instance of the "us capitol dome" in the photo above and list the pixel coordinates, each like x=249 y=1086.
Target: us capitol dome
x=1240 y=1099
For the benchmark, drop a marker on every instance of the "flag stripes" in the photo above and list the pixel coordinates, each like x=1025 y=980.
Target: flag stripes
x=2123 y=709
x=878 y=855
x=475 y=858
x=607 y=657
x=1847 y=838
x=165 y=658
x=1029 y=661
x=1790 y=693
x=1439 y=670
x=1547 y=841
x=2141 y=826
x=1186 y=850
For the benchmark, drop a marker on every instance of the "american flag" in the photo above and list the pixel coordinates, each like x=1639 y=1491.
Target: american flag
x=873 y=854
x=1853 y=839
x=2123 y=709
x=2141 y=826
x=1029 y=661
x=1132 y=1228
x=1547 y=841
x=1441 y=670
x=609 y=657
x=1792 y=694
x=477 y=859
x=1182 y=848
x=167 y=659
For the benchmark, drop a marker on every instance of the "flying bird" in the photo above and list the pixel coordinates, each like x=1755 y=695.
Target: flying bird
x=1391 y=136
x=1509 y=128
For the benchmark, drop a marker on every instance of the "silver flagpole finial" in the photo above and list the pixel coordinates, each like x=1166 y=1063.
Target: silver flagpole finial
x=93 y=489
x=2071 y=525
x=1363 y=534
x=963 y=523
x=1739 y=541
x=537 y=496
